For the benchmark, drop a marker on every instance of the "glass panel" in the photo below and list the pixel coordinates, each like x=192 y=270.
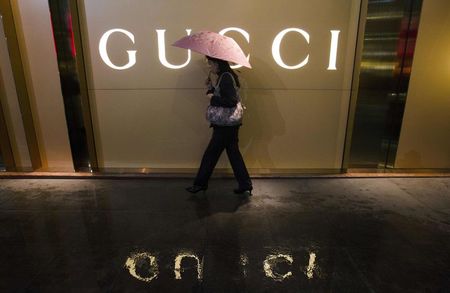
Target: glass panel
x=4 y=139
x=2 y=165
x=70 y=85
x=389 y=40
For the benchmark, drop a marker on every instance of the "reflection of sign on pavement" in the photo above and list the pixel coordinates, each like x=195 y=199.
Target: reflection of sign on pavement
x=144 y=266
x=276 y=45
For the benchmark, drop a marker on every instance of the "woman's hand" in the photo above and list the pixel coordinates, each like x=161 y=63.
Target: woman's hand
x=210 y=95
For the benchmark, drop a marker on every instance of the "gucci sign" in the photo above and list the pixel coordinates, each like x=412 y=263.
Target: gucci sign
x=276 y=44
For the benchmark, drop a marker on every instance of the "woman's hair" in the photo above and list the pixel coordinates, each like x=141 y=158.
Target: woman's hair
x=224 y=66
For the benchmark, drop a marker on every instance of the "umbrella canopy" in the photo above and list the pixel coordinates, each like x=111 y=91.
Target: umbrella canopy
x=214 y=45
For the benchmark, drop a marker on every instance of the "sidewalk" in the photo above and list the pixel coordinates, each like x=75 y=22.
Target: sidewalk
x=292 y=235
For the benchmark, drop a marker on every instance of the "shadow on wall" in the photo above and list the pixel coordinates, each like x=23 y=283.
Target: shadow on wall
x=188 y=108
x=263 y=120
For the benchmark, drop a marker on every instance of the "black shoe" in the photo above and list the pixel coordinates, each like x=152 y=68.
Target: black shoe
x=196 y=188
x=247 y=191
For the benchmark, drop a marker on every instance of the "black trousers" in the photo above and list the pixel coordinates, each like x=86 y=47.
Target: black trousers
x=223 y=138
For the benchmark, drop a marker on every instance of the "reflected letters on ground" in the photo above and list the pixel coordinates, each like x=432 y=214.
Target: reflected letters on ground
x=150 y=262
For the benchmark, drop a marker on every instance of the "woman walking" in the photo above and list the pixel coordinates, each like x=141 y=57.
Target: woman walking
x=223 y=94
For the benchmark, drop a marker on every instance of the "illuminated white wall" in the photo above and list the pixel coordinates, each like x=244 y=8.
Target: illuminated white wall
x=37 y=48
x=10 y=103
x=425 y=136
x=146 y=114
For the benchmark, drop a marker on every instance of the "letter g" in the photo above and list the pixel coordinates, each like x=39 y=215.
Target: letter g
x=104 y=53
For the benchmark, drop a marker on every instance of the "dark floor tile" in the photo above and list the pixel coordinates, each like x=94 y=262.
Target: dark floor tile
x=330 y=235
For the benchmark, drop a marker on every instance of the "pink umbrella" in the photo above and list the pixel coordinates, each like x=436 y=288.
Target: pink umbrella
x=214 y=45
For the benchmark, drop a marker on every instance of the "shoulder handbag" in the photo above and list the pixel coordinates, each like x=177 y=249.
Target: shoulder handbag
x=223 y=116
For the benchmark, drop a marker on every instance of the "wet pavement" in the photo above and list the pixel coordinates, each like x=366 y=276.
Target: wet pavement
x=292 y=235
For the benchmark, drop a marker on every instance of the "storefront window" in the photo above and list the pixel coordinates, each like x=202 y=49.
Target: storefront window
x=147 y=97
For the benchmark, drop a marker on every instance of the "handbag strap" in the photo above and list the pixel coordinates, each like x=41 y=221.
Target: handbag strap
x=236 y=88
x=232 y=77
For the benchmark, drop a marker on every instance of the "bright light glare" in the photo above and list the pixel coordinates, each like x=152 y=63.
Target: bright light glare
x=162 y=51
x=311 y=265
x=242 y=32
x=131 y=262
x=333 y=49
x=178 y=261
x=271 y=261
x=104 y=53
x=276 y=48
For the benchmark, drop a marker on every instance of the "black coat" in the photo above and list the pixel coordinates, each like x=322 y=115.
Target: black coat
x=228 y=97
